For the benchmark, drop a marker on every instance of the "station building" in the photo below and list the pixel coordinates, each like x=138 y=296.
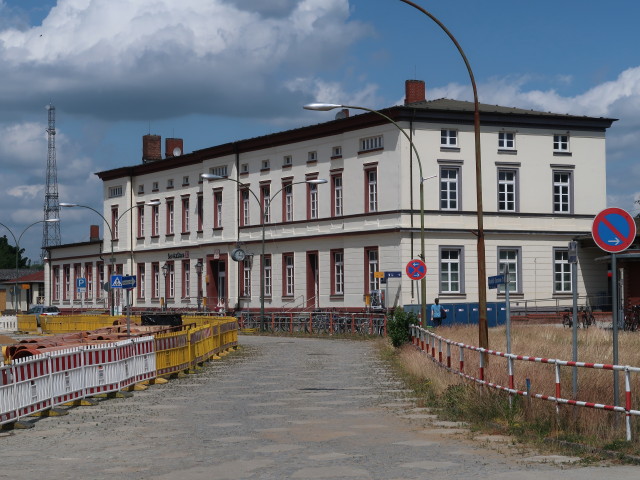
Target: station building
x=194 y=241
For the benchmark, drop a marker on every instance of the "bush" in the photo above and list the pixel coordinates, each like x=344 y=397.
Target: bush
x=398 y=327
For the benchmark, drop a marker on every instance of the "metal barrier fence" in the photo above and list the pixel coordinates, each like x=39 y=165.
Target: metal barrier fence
x=439 y=349
x=8 y=323
x=45 y=380
x=41 y=382
x=318 y=323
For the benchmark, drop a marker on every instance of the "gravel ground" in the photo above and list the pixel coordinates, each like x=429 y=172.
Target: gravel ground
x=279 y=408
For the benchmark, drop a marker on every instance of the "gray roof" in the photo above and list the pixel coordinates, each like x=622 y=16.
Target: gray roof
x=463 y=106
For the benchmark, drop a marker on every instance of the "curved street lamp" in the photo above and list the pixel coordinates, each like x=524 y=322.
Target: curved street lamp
x=17 y=242
x=263 y=212
x=323 y=107
x=482 y=277
x=112 y=260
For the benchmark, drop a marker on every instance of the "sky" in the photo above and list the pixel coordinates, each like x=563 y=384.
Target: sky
x=215 y=71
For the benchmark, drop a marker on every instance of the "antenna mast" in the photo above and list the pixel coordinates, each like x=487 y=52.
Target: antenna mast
x=51 y=230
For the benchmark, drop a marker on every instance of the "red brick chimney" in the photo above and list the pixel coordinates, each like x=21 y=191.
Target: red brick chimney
x=94 y=233
x=173 y=147
x=415 y=91
x=151 y=148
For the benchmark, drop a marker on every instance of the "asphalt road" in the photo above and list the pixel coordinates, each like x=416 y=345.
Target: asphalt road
x=280 y=408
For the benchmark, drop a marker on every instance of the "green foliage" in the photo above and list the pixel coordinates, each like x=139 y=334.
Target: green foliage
x=398 y=327
x=8 y=255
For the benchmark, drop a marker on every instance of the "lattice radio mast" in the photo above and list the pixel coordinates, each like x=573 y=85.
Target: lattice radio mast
x=51 y=230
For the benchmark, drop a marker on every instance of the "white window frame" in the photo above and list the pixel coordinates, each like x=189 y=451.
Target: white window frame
x=338 y=199
x=287 y=161
x=313 y=201
x=373 y=262
x=221 y=171
x=507 y=187
x=372 y=190
x=186 y=280
x=451 y=269
x=562 y=281
x=312 y=156
x=288 y=202
x=506 y=141
x=449 y=185
x=246 y=278
x=338 y=273
x=368 y=144
x=448 y=138
x=562 y=191
x=246 y=207
x=515 y=277
x=116 y=191
x=268 y=275
x=561 y=142
x=289 y=275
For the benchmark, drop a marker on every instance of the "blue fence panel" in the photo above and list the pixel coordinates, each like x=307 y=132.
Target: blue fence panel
x=461 y=313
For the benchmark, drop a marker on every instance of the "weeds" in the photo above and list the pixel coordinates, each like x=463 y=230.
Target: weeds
x=531 y=420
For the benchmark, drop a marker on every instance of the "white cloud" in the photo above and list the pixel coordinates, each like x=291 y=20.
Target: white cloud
x=126 y=58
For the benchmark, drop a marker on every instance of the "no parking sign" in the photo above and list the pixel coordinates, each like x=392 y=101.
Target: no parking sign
x=613 y=230
x=416 y=269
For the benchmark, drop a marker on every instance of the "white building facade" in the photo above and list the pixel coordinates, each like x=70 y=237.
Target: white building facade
x=543 y=178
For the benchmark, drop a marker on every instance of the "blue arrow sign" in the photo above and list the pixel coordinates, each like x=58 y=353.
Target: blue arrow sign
x=129 y=282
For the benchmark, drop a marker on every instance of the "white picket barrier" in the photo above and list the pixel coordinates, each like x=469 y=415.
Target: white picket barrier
x=8 y=323
x=33 y=384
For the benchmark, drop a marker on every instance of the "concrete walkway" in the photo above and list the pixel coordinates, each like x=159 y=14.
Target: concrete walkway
x=281 y=408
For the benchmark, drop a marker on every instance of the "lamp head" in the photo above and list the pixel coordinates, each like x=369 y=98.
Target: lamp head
x=210 y=176
x=68 y=205
x=153 y=203
x=52 y=220
x=317 y=181
x=321 y=107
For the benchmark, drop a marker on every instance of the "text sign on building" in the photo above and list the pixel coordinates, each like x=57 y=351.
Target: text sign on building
x=129 y=282
x=416 y=269
x=613 y=230
x=495 y=281
x=392 y=274
x=81 y=284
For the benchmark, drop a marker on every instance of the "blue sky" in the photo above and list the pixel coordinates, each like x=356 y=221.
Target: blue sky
x=213 y=71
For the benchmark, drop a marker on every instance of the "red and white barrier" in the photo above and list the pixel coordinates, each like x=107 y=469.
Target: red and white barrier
x=425 y=340
x=40 y=382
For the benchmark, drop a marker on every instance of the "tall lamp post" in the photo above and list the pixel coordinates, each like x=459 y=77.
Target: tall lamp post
x=165 y=271
x=112 y=260
x=199 y=266
x=17 y=242
x=482 y=276
x=423 y=283
x=263 y=212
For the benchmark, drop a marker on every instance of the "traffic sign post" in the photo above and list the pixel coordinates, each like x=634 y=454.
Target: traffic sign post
x=614 y=230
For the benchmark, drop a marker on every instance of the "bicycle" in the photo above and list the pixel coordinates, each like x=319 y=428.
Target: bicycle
x=632 y=318
x=587 y=317
x=567 y=320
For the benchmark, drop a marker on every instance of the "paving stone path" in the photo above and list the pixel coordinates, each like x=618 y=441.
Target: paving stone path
x=281 y=408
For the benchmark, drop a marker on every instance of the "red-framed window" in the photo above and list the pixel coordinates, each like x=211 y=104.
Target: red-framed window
x=170 y=217
x=155 y=280
x=141 y=221
x=371 y=189
x=245 y=207
x=217 y=208
x=185 y=215
x=186 y=279
x=114 y=222
x=155 y=220
x=288 y=275
x=337 y=272
x=200 y=210
x=337 y=195
x=141 y=281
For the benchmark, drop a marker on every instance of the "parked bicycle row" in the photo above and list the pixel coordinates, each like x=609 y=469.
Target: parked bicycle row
x=316 y=322
x=585 y=317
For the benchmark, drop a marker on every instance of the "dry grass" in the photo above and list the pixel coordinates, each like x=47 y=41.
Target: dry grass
x=587 y=425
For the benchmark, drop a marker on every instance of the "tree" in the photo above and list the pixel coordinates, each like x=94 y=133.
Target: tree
x=8 y=255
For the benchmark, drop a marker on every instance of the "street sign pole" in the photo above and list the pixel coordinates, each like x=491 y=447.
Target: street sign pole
x=615 y=314
x=573 y=260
